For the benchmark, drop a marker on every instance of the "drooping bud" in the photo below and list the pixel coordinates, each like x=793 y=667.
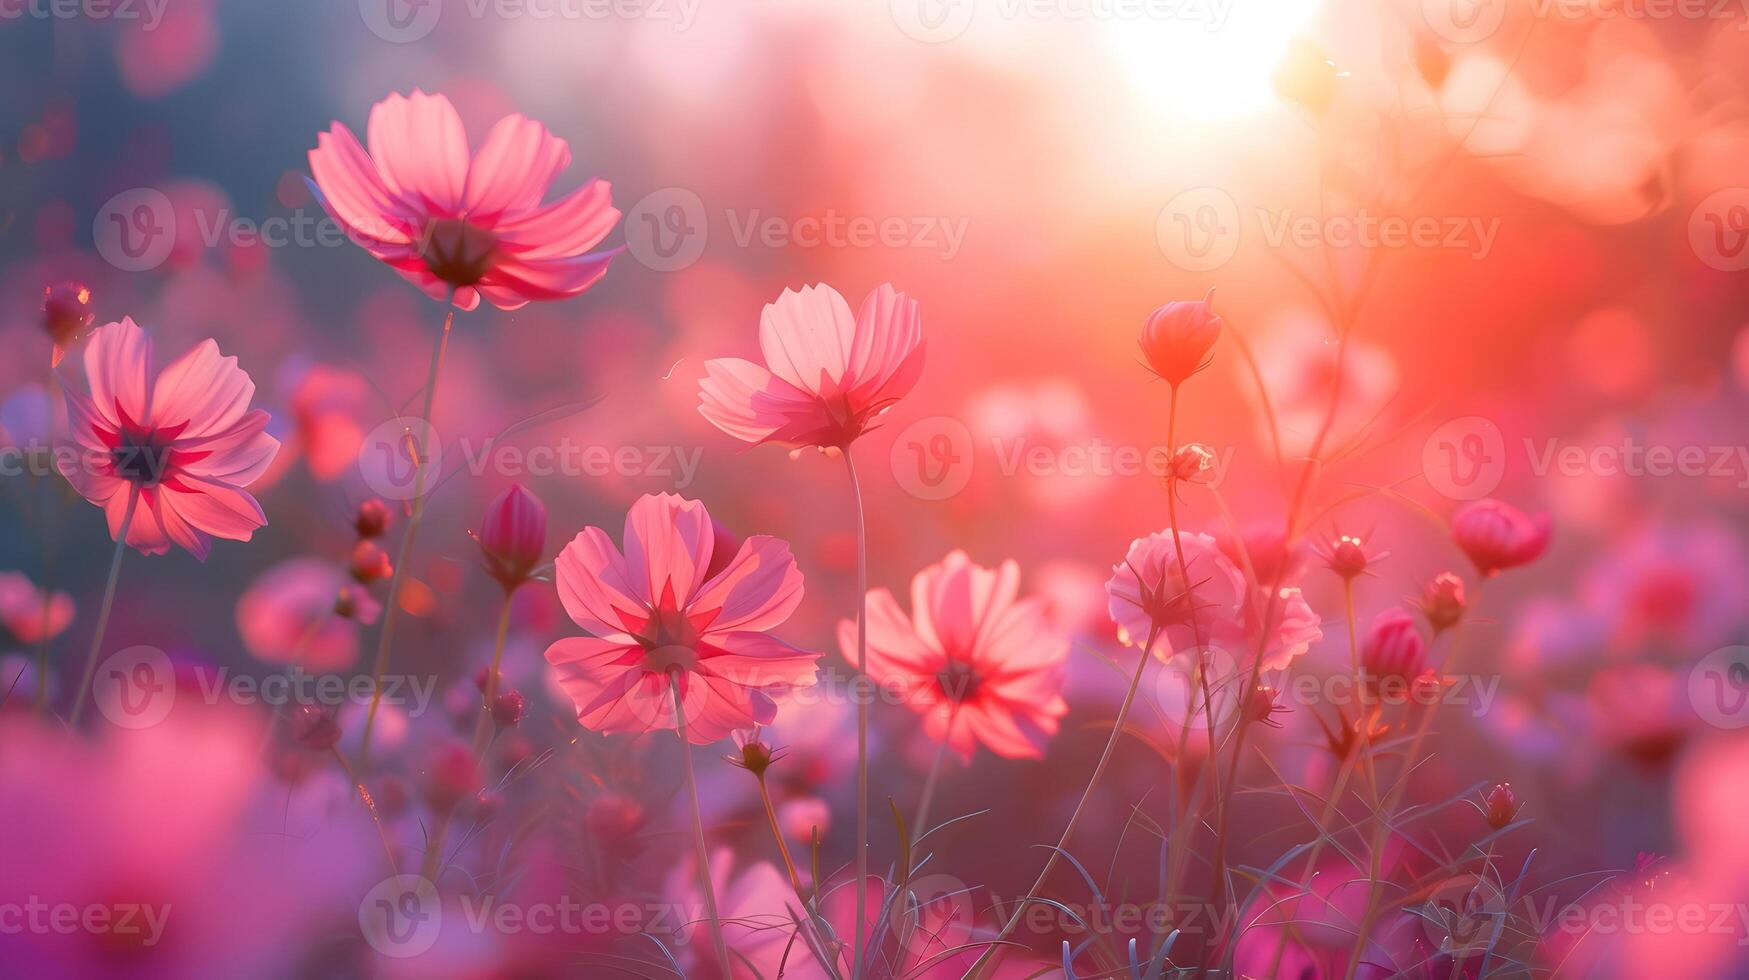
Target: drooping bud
x=67 y=314
x=1444 y=603
x=1178 y=336
x=507 y=708
x=1501 y=805
x=513 y=536
x=372 y=518
x=1497 y=536
x=370 y=563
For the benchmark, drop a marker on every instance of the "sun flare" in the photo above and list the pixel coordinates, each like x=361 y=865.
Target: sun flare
x=1212 y=65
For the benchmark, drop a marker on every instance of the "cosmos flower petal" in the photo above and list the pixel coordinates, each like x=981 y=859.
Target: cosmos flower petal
x=758 y=590
x=757 y=660
x=118 y=365
x=203 y=391
x=807 y=336
x=350 y=190
x=513 y=167
x=668 y=542
x=566 y=228
x=420 y=149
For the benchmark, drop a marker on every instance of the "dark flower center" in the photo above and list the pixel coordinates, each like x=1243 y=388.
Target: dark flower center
x=142 y=456
x=958 y=681
x=457 y=252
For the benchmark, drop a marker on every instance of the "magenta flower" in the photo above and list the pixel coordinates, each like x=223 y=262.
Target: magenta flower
x=1498 y=536
x=671 y=605
x=979 y=663
x=1392 y=647
x=183 y=443
x=828 y=375
x=463 y=226
x=514 y=536
x=1178 y=336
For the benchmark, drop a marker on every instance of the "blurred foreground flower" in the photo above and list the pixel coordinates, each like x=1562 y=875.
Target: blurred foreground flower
x=29 y=613
x=1497 y=536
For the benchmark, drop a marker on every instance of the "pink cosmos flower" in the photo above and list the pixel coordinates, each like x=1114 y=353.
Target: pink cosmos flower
x=514 y=536
x=31 y=614
x=673 y=603
x=463 y=226
x=828 y=375
x=980 y=664
x=1393 y=647
x=1147 y=590
x=1498 y=536
x=183 y=441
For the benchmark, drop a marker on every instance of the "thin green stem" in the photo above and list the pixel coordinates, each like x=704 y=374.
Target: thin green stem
x=121 y=547
x=860 y=686
x=385 y=638
x=704 y=855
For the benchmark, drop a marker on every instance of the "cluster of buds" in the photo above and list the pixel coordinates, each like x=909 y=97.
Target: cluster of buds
x=369 y=563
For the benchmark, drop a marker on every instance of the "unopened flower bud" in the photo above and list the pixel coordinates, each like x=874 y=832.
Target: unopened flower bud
x=1444 y=603
x=513 y=536
x=507 y=708
x=756 y=754
x=1497 y=536
x=451 y=775
x=314 y=728
x=1178 y=336
x=1502 y=805
x=1392 y=647
x=372 y=518
x=1348 y=557
x=67 y=314
x=370 y=563
x=1192 y=463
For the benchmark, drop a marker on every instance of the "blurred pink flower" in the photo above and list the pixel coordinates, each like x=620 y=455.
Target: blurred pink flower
x=1392 y=647
x=1497 y=536
x=1178 y=336
x=828 y=375
x=664 y=607
x=980 y=664
x=1671 y=586
x=326 y=408
x=1147 y=590
x=288 y=616
x=461 y=226
x=31 y=614
x=184 y=441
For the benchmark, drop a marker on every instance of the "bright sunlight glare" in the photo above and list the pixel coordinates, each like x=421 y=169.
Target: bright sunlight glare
x=1215 y=65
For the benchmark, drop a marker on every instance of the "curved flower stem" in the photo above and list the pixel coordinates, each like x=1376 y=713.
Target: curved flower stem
x=789 y=862
x=704 y=855
x=995 y=948
x=370 y=807
x=917 y=828
x=860 y=689
x=385 y=638
x=482 y=738
x=121 y=547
